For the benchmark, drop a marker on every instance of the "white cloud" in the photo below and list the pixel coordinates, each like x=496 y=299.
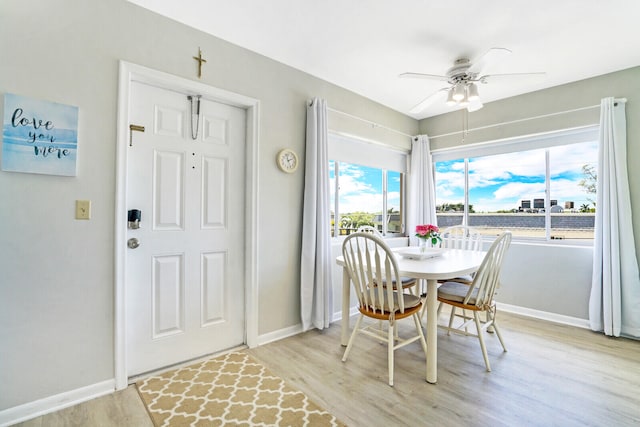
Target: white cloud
x=356 y=194
x=504 y=171
x=520 y=190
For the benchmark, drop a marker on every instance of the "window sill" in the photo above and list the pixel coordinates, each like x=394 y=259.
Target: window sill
x=582 y=243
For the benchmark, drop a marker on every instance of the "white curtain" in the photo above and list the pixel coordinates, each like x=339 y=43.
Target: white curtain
x=614 y=306
x=421 y=206
x=316 y=298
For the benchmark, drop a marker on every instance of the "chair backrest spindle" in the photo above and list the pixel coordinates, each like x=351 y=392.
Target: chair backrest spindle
x=370 y=263
x=461 y=237
x=487 y=276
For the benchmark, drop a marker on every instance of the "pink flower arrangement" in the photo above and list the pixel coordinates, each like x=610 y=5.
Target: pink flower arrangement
x=428 y=232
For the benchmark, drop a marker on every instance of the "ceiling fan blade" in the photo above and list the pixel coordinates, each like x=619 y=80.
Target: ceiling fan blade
x=492 y=55
x=427 y=101
x=423 y=76
x=483 y=79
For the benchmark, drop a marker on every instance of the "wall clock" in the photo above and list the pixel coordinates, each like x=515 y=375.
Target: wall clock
x=287 y=160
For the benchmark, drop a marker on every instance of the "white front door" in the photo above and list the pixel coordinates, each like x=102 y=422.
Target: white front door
x=184 y=283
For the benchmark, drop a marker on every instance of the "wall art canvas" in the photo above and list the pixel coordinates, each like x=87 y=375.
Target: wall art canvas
x=39 y=136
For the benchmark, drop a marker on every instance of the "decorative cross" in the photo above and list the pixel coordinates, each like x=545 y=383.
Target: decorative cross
x=200 y=60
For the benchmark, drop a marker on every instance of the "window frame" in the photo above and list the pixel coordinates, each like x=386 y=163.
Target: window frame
x=546 y=140
x=386 y=158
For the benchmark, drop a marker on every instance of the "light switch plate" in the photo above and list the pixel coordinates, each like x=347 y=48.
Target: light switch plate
x=83 y=209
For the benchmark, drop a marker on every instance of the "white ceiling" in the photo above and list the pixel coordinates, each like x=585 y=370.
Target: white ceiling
x=363 y=45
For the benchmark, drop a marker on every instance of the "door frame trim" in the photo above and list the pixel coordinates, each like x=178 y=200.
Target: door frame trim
x=129 y=72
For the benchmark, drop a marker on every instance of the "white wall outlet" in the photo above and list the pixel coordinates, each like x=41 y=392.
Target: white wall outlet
x=83 y=209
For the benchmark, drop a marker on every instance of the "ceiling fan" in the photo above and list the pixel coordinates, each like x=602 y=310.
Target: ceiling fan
x=463 y=78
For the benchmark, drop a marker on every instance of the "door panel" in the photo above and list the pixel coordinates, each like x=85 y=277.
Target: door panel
x=168 y=190
x=185 y=282
x=214 y=266
x=168 y=295
x=214 y=130
x=214 y=196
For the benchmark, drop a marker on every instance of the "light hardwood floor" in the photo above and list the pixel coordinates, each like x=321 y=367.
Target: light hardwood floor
x=552 y=375
x=122 y=408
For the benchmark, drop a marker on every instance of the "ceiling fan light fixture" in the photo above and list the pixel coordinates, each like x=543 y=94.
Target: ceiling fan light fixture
x=472 y=92
x=458 y=92
x=464 y=102
x=450 y=100
x=462 y=79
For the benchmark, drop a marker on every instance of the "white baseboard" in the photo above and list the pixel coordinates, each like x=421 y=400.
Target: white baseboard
x=280 y=334
x=297 y=329
x=337 y=316
x=54 y=403
x=523 y=311
x=545 y=315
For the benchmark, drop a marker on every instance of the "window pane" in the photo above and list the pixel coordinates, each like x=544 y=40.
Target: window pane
x=450 y=192
x=360 y=197
x=394 y=191
x=517 y=191
x=507 y=191
x=573 y=179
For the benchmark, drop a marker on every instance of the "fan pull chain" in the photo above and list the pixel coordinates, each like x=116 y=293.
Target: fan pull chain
x=465 y=124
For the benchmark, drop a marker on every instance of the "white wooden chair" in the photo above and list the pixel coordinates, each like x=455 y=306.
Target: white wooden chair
x=478 y=296
x=407 y=282
x=462 y=237
x=369 y=261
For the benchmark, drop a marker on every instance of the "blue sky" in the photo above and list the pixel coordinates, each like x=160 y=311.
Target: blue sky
x=500 y=182
x=497 y=182
x=361 y=188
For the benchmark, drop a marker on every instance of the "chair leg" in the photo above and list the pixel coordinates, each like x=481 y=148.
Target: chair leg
x=423 y=294
x=423 y=341
x=351 y=339
x=440 y=305
x=451 y=317
x=464 y=316
x=490 y=328
x=390 y=348
x=497 y=330
x=476 y=317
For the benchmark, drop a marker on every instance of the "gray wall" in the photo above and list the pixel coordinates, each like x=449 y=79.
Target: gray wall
x=57 y=273
x=553 y=279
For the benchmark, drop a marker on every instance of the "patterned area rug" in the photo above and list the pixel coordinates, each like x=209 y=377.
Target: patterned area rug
x=232 y=389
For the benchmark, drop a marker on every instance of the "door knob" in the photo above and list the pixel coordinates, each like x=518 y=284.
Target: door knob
x=133 y=243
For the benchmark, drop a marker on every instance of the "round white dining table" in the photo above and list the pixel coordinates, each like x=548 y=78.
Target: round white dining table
x=451 y=263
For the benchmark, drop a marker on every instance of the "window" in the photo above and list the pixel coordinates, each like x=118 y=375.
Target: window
x=537 y=187
x=367 y=186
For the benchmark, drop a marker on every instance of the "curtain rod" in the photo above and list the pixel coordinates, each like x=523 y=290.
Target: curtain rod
x=374 y=124
x=621 y=100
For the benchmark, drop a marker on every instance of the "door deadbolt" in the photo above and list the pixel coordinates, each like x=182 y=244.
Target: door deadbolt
x=133 y=243
x=134 y=216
